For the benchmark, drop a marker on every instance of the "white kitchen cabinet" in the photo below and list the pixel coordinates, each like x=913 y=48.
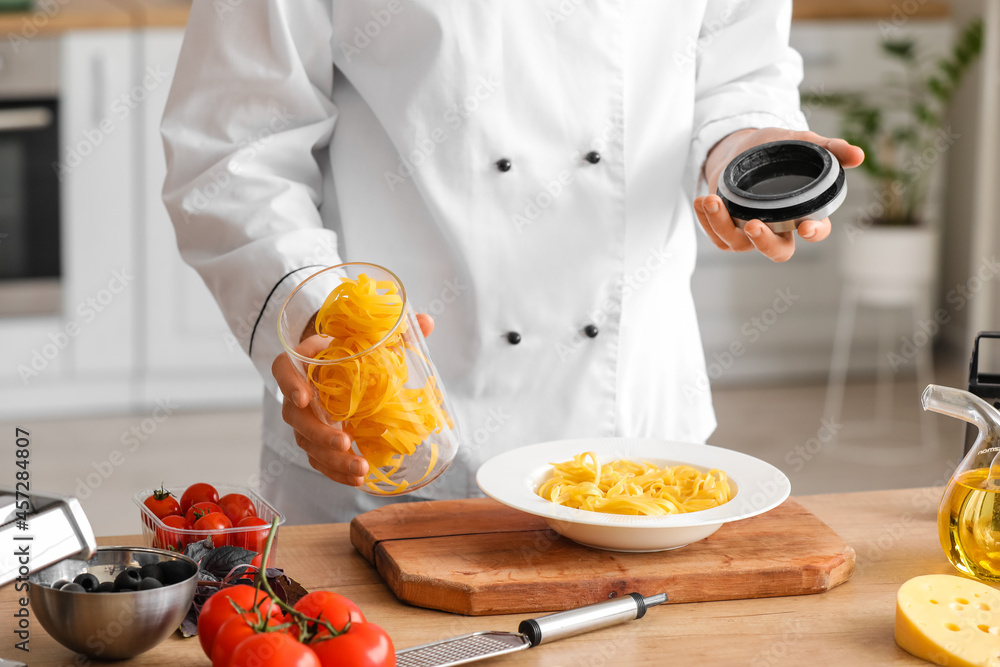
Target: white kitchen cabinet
x=186 y=349
x=735 y=293
x=143 y=325
x=83 y=358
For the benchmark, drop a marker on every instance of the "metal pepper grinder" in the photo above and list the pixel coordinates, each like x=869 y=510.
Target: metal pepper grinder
x=984 y=385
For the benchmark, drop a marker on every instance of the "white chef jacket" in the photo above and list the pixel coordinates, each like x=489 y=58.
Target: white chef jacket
x=522 y=166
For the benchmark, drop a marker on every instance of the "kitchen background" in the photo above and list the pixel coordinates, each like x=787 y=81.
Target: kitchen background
x=115 y=358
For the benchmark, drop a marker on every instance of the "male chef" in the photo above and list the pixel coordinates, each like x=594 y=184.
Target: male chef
x=526 y=167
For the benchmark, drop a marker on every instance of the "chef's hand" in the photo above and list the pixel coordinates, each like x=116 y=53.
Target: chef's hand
x=714 y=217
x=329 y=449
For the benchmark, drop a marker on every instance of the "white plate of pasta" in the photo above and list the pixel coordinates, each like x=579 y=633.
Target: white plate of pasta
x=640 y=495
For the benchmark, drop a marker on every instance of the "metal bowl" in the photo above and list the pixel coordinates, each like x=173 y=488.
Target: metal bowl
x=111 y=626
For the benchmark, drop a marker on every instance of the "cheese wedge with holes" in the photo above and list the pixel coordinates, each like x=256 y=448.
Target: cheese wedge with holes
x=949 y=620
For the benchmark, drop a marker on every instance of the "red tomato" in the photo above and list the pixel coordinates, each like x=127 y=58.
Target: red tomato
x=218 y=610
x=253 y=539
x=168 y=539
x=273 y=649
x=232 y=632
x=198 y=493
x=364 y=645
x=237 y=507
x=330 y=606
x=162 y=503
x=199 y=510
x=216 y=521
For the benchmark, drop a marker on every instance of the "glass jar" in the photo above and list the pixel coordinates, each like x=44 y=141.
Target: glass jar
x=351 y=333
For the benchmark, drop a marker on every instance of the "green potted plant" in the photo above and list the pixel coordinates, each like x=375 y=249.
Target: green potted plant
x=901 y=127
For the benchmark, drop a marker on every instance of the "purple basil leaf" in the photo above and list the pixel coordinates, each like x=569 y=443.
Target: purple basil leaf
x=286 y=588
x=198 y=550
x=222 y=560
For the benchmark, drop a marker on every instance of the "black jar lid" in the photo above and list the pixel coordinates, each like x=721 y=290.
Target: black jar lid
x=782 y=183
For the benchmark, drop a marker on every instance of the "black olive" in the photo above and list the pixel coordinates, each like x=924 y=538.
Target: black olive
x=152 y=570
x=175 y=571
x=106 y=587
x=73 y=588
x=128 y=580
x=59 y=584
x=149 y=582
x=88 y=581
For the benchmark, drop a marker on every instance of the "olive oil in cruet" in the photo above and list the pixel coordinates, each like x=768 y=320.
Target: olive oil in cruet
x=969 y=514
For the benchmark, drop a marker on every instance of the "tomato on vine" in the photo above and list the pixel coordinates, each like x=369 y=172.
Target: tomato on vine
x=218 y=610
x=273 y=649
x=363 y=645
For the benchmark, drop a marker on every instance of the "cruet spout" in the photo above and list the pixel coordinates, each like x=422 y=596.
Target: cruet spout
x=970 y=408
x=962 y=405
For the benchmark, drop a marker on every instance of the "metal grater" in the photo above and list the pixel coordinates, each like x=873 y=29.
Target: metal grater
x=532 y=632
x=462 y=650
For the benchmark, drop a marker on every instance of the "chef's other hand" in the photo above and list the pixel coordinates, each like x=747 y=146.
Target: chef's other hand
x=329 y=449
x=714 y=217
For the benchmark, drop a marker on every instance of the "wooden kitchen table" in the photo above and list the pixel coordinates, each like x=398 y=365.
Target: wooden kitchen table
x=893 y=532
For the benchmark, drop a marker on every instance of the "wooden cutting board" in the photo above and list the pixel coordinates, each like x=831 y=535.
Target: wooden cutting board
x=478 y=557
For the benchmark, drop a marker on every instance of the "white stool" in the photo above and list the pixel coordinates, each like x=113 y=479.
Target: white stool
x=870 y=283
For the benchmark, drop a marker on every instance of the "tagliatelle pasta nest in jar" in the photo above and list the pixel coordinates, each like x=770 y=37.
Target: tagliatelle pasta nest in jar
x=626 y=487
x=367 y=393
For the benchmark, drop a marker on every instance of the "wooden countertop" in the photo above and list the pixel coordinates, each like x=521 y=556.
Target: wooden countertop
x=90 y=14
x=893 y=532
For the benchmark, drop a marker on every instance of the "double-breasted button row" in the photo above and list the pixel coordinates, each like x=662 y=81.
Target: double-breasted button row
x=504 y=164
x=590 y=331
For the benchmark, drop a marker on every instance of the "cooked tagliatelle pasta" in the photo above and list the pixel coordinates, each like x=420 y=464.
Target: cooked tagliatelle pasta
x=367 y=393
x=626 y=487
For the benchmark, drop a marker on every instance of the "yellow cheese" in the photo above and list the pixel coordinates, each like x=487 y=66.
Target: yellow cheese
x=950 y=621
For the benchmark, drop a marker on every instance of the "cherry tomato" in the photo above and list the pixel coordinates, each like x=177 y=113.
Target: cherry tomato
x=364 y=645
x=332 y=607
x=237 y=507
x=253 y=540
x=162 y=503
x=218 y=610
x=273 y=649
x=199 y=510
x=168 y=539
x=216 y=521
x=198 y=493
x=232 y=632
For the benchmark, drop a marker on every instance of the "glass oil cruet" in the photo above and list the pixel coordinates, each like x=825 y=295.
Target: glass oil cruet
x=969 y=514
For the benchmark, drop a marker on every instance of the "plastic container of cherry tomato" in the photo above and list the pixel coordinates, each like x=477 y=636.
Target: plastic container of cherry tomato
x=159 y=535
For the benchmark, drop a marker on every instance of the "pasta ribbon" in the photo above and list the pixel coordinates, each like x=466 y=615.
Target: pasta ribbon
x=626 y=487
x=367 y=393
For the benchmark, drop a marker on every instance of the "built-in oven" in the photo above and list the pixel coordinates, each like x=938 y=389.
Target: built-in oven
x=30 y=245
